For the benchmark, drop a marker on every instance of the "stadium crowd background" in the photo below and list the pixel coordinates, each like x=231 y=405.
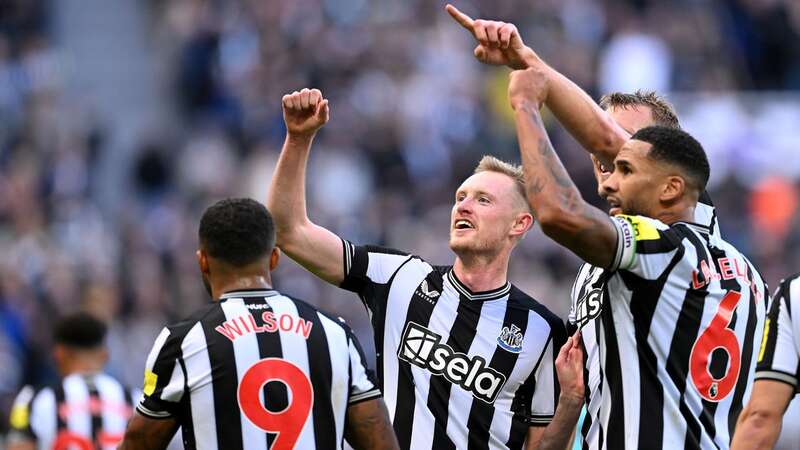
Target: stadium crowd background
x=121 y=121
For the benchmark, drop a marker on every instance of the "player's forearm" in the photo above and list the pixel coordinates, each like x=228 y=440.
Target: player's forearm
x=558 y=433
x=549 y=189
x=557 y=204
x=756 y=430
x=286 y=200
x=592 y=127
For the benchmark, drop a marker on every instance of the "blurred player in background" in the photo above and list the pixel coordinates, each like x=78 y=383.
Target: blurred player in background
x=465 y=358
x=777 y=377
x=87 y=409
x=255 y=369
x=674 y=370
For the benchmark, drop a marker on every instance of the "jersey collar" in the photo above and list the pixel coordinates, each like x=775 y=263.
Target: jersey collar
x=242 y=293
x=462 y=289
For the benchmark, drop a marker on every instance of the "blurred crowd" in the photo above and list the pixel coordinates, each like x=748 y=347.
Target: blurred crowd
x=411 y=114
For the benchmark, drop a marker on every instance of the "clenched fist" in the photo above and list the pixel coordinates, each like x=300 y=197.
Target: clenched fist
x=499 y=43
x=527 y=86
x=305 y=112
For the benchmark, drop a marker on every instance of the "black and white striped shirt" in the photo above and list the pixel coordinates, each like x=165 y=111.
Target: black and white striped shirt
x=83 y=411
x=459 y=369
x=672 y=328
x=225 y=375
x=587 y=297
x=779 y=357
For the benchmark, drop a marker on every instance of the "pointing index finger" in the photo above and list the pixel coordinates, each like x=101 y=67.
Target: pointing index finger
x=465 y=20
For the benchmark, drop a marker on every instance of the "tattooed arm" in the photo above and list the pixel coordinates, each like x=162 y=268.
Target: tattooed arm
x=557 y=204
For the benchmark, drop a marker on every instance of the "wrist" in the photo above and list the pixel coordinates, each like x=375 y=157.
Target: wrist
x=300 y=138
x=529 y=59
x=571 y=399
x=524 y=104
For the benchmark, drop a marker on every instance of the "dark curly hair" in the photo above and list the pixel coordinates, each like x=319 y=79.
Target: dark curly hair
x=80 y=330
x=679 y=148
x=237 y=231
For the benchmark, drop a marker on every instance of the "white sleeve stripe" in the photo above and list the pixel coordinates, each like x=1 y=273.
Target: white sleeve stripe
x=348 y=256
x=778 y=376
x=150 y=413
x=157 y=346
x=375 y=393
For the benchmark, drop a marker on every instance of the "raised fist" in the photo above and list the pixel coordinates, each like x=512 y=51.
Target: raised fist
x=305 y=112
x=527 y=86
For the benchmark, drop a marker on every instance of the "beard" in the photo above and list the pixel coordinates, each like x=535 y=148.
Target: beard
x=475 y=246
x=634 y=207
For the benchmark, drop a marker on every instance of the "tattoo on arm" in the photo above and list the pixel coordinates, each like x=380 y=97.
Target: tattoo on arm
x=548 y=168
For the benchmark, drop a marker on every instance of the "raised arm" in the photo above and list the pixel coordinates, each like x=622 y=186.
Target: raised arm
x=310 y=245
x=557 y=204
x=499 y=43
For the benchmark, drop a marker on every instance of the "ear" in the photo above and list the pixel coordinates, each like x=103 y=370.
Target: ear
x=59 y=354
x=674 y=189
x=202 y=261
x=103 y=355
x=522 y=223
x=274 y=258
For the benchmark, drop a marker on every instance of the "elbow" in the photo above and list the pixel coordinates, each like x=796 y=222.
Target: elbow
x=760 y=424
x=555 y=221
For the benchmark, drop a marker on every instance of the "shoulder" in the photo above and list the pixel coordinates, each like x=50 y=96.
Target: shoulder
x=524 y=302
x=182 y=327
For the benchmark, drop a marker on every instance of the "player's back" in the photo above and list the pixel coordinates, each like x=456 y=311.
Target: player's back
x=681 y=328
x=257 y=370
x=81 y=411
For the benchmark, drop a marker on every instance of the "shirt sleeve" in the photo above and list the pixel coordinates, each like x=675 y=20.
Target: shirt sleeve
x=362 y=381
x=368 y=268
x=645 y=246
x=163 y=378
x=778 y=358
x=20 y=418
x=546 y=388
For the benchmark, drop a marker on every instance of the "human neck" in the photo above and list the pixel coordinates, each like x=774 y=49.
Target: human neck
x=82 y=365
x=482 y=273
x=237 y=283
x=680 y=213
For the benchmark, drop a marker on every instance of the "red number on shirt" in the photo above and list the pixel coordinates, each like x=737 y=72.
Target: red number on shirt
x=71 y=441
x=288 y=423
x=717 y=336
x=67 y=440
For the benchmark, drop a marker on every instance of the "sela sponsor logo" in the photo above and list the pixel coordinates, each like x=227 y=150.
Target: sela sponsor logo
x=589 y=304
x=510 y=339
x=428 y=294
x=423 y=348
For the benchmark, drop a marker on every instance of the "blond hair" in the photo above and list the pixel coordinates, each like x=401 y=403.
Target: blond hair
x=663 y=112
x=491 y=164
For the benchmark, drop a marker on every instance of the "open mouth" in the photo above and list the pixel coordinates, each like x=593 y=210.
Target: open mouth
x=463 y=224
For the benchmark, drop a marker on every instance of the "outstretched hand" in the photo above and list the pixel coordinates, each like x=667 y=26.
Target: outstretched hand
x=499 y=43
x=569 y=367
x=305 y=112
